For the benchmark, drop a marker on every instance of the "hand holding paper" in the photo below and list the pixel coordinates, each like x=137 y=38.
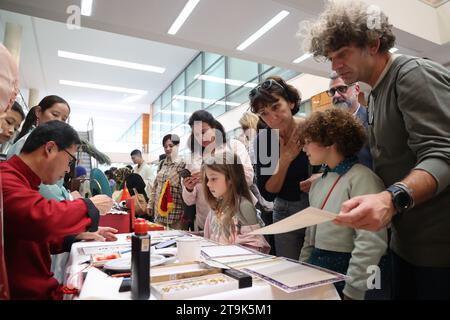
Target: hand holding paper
x=305 y=218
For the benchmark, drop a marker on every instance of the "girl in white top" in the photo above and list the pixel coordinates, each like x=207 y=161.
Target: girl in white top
x=208 y=138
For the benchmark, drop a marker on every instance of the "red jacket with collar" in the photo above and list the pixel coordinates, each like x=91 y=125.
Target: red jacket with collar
x=34 y=228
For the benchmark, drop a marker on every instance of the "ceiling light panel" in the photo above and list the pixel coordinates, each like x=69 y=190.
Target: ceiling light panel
x=101 y=87
x=111 y=62
x=184 y=14
x=264 y=29
x=86 y=7
x=304 y=57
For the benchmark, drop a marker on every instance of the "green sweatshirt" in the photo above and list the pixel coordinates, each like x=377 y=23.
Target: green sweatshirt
x=409 y=126
x=366 y=247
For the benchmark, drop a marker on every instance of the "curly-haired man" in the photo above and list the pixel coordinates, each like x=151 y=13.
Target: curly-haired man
x=409 y=122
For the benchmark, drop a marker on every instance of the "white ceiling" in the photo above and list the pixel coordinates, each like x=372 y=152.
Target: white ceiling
x=136 y=31
x=42 y=69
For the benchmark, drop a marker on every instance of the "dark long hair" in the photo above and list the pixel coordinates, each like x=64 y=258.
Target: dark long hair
x=17 y=108
x=31 y=118
x=204 y=116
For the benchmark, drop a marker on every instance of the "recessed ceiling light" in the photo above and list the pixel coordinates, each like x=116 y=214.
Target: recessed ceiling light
x=269 y=25
x=111 y=62
x=101 y=87
x=184 y=14
x=86 y=7
x=304 y=57
x=232 y=82
x=131 y=99
x=210 y=101
x=100 y=105
x=392 y=50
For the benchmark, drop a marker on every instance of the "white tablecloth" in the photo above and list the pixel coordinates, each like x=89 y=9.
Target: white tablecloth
x=98 y=285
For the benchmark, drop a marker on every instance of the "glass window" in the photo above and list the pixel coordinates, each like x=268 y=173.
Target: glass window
x=157 y=105
x=179 y=84
x=210 y=59
x=238 y=97
x=195 y=68
x=265 y=67
x=166 y=98
x=217 y=110
x=155 y=128
x=178 y=131
x=283 y=73
x=215 y=86
x=178 y=111
x=242 y=70
x=166 y=120
x=195 y=90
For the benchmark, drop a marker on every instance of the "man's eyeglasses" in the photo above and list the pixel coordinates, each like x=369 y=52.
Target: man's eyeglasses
x=340 y=89
x=73 y=161
x=266 y=85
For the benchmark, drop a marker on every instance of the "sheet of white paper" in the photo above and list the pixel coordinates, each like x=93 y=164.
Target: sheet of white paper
x=99 y=285
x=224 y=251
x=292 y=276
x=305 y=218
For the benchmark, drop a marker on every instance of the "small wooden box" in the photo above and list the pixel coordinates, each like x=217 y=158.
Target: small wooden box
x=194 y=287
x=177 y=271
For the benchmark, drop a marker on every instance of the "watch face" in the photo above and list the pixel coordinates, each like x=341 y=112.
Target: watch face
x=402 y=200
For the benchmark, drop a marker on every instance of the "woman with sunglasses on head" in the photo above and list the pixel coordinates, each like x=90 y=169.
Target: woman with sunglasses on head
x=207 y=138
x=280 y=163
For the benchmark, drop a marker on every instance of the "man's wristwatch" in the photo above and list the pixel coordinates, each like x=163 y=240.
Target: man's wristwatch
x=401 y=197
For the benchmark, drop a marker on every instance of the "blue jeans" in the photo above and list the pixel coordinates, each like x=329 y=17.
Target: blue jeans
x=289 y=244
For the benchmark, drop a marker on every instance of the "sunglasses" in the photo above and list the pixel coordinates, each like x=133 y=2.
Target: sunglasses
x=266 y=85
x=73 y=161
x=340 y=89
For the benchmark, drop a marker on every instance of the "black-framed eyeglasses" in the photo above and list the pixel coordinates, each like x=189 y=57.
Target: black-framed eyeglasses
x=266 y=85
x=74 y=159
x=340 y=89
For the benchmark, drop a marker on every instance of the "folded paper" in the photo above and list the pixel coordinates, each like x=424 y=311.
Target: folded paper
x=305 y=218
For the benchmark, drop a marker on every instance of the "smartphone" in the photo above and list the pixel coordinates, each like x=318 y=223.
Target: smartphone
x=185 y=173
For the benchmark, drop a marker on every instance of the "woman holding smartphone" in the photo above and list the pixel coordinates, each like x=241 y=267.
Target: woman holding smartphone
x=208 y=138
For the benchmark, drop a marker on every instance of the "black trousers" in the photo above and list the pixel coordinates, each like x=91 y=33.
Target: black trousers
x=410 y=282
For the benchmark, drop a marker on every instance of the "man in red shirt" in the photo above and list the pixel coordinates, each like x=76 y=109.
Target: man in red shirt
x=34 y=226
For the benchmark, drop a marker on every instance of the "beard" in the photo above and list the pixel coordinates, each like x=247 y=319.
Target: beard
x=342 y=104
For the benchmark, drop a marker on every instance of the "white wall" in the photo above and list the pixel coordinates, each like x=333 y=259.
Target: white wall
x=414 y=17
x=443 y=13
